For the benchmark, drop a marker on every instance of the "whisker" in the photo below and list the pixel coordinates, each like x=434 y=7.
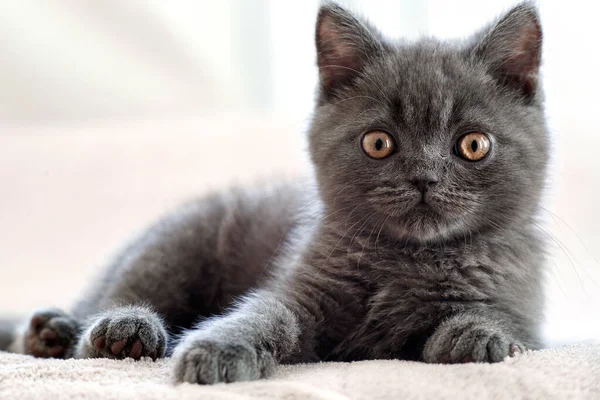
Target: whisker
x=337 y=244
x=379 y=233
x=573 y=232
x=364 y=245
x=562 y=248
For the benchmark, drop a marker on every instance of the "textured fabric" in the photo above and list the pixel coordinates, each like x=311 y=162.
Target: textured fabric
x=571 y=372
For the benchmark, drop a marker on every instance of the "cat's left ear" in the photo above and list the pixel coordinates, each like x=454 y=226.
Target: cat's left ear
x=512 y=49
x=345 y=45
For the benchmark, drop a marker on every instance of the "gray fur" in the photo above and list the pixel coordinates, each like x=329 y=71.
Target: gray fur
x=359 y=270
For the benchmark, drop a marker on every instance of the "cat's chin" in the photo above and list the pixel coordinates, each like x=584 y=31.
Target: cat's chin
x=421 y=224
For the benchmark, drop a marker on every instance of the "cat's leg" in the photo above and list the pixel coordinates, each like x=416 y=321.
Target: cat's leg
x=188 y=265
x=473 y=337
x=130 y=331
x=244 y=345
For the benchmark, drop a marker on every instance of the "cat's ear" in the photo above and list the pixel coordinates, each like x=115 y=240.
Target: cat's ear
x=512 y=49
x=344 y=46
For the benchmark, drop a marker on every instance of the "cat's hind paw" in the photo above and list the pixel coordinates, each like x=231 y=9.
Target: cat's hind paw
x=51 y=333
x=133 y=332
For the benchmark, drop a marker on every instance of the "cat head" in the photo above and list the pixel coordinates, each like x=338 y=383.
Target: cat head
x=429 y=140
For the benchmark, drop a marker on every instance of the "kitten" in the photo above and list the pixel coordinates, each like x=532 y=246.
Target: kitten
x=418 y=243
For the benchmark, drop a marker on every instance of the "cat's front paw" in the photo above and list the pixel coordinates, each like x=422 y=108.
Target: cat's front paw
x=463 y=340
x=51 y=333
x=208 y=361
x=133 y=332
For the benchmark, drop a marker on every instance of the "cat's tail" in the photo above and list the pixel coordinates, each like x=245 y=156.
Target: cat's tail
x=11 y=335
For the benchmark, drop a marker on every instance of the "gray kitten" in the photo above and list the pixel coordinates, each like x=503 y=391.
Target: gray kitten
x=418 y=243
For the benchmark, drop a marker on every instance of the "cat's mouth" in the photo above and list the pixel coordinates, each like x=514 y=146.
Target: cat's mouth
x=423 y=205
x=416 y=215
x=425 y=200
x=420 y=218
x=402 y=203
x=429 y=217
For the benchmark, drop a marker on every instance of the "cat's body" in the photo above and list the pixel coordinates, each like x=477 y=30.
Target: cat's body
x=199 y=258
x=417 y=243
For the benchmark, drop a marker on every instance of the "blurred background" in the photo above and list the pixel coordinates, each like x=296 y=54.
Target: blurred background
x=112 y=112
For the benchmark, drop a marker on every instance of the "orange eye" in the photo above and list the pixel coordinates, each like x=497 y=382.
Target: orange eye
x=378 y=144
x=473 y=146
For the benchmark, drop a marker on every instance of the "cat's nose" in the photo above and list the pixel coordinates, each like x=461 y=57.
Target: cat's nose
x=423 y=183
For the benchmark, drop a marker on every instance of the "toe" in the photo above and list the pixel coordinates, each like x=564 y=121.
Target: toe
x=467 y=359
x=136 y=350
x=48 y=334
x=464 y=348
x=100 y=342
x=118 y=346
x=497 y=348
x=515 y=349
x=36 y=322
x=56 y=351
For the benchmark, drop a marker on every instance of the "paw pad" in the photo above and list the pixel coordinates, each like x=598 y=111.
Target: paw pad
x=128 y=333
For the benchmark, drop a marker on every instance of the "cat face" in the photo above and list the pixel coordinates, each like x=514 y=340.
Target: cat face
x=429 y=140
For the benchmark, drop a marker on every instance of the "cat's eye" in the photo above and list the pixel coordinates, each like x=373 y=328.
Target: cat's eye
x=378 y=144
x=473 y=146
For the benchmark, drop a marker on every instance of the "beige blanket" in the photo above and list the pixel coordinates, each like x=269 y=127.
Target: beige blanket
x=571 y=372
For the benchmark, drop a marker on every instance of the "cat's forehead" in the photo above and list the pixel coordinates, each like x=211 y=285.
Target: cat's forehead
x=427 y=85
x=428 y=69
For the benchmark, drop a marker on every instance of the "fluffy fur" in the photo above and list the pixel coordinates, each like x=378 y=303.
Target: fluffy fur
x=421 y=255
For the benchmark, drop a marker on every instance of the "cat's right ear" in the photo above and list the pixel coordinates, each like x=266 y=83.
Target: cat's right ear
x=345 y=46
x=512 y=49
